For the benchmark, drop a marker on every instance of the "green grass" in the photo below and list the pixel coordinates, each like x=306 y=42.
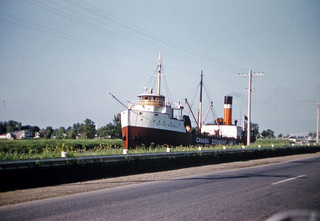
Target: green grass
x=269 y=142
x=162 y=149
x=51 y=148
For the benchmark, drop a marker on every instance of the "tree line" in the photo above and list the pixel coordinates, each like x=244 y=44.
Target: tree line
x=85 y=130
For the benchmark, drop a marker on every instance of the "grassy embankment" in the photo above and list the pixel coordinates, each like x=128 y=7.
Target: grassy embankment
x=51 y=148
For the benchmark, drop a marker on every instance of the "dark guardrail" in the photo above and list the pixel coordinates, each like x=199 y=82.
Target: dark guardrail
x=23 y=164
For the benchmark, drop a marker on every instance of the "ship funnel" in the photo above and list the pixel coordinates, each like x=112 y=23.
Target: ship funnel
x=227 y=118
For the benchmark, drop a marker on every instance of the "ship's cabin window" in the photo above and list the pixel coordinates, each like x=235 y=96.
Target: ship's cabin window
x=152 y=100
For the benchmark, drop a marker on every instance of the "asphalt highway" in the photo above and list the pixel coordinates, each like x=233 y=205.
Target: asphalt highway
x=254 y=193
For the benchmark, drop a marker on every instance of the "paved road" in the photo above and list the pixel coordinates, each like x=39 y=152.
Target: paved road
x=244 y=194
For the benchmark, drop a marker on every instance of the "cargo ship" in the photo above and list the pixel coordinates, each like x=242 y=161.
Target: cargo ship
x=153 y=121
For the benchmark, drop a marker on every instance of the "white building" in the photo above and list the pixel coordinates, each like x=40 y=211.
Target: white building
x=7 y=136
x=223 y=130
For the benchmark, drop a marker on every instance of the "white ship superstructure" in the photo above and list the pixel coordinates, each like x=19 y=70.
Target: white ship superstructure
x=151 y=112
x=151 y=119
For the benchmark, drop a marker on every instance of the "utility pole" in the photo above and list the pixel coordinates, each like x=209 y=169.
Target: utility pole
x=318 y=112
x=249 y=101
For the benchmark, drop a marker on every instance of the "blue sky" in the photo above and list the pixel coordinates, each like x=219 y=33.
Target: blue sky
x=60 y=59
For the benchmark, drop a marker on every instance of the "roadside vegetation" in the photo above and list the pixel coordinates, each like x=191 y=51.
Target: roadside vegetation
x=269 y=142
x=84 y=140
x=52 y=148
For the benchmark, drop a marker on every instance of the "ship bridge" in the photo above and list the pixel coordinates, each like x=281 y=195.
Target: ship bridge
x=151 y=100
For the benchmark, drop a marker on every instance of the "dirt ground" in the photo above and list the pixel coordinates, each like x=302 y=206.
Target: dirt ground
x=26 y=195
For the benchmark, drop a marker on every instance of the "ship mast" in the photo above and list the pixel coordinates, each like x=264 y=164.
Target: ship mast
x=199 y=123
x=159 y=73
x=200 y=105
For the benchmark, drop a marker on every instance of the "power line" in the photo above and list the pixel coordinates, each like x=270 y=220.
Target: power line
x=196 y=55
x=287 y=95
x=113 y=27
x=36 y=27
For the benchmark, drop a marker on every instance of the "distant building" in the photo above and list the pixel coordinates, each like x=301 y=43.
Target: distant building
x=22 y=134
x=7 y=136
x=38 y=135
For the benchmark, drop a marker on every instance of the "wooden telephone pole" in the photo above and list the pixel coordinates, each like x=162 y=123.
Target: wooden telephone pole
x=318 y=112
x=249 y=101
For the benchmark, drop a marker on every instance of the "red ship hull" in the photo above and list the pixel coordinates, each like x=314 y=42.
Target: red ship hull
x=139 y=136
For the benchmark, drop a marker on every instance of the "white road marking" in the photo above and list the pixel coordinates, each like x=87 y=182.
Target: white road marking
x=293 y=178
